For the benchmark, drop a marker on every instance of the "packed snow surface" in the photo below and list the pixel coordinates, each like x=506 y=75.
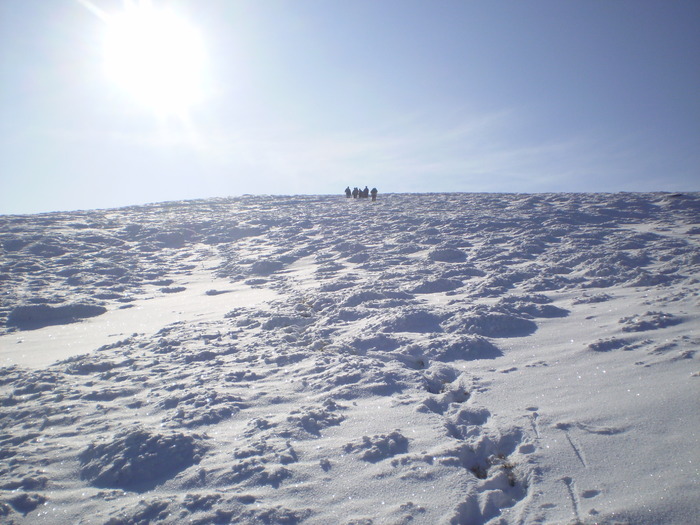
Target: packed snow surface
x=432 y=359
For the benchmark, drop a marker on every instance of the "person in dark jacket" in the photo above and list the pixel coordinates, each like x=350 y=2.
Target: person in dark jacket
x=374 y=194
x=365 y=192
x=355 y=193
x=348 y=193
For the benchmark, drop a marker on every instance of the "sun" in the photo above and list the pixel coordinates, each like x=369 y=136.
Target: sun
x=156 y=56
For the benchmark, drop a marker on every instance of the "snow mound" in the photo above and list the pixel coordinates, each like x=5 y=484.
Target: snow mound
x=24 y=503
x=437 y=286
x=605 y=345
x=379 y=447
x=447 y=254
x=463 y=347
x=648 y=321
x=490 y=324
x=39 y=315
x=419 y=321
x=138 y=459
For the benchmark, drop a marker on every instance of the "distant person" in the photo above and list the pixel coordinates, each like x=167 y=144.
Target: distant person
x=365 y=192
x=355 y=193
x=348 y=193
x=374 y=194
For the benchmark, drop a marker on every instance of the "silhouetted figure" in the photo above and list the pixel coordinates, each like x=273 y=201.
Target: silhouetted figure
x=374 y=194
x=355 y=193
x=365 y=192
x=348 y=193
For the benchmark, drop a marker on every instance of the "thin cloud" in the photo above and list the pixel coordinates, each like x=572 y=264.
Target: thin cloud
x=412 y=153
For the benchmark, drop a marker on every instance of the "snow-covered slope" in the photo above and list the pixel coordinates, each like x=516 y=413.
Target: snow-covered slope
x=445 y=358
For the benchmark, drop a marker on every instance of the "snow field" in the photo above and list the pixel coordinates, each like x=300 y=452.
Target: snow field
x=452 y=358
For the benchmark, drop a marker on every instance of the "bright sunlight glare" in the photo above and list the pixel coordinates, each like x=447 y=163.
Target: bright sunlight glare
x=155 y=56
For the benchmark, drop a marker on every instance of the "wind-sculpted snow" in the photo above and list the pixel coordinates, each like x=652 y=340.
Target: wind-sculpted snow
x=137 y=459
x=443 y=358
x=38 y=316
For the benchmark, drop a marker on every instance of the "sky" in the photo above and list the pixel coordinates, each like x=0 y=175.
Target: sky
x=107 y=103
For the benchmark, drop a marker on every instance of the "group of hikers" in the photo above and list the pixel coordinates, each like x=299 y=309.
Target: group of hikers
x=361 y=194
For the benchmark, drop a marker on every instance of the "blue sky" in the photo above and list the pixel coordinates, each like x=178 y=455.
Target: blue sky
x=309 y=96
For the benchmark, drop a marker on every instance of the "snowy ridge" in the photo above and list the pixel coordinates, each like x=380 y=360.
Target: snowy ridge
x=443 y=358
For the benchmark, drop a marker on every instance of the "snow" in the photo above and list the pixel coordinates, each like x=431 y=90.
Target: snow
x=442 y=358
x=199 y=296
